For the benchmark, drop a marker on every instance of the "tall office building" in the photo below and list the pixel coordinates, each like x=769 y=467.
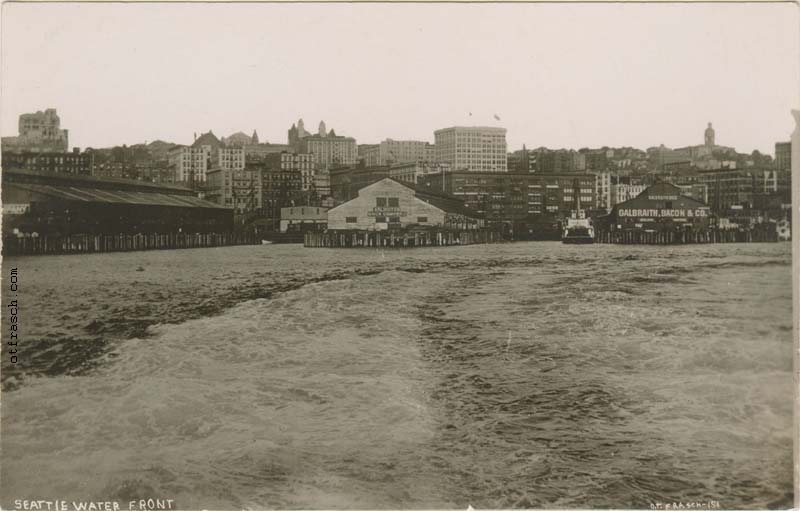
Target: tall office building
x=473 y=148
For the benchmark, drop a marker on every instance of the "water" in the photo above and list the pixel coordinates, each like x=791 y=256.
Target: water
x=523 y=375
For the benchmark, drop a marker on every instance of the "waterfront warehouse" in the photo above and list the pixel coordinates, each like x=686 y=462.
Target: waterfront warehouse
x=391 y=204
x=47 y=212
x=659 y=209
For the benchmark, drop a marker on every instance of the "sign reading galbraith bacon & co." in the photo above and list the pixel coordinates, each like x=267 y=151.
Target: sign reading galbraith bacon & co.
x=664 y=213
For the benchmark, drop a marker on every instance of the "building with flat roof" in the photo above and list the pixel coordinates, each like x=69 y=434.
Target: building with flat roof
x=472 y=148
x=393 y=152
x=303 y=218
x=515 y=195
x=783 y=155
x=41 y=161
x=302 y=163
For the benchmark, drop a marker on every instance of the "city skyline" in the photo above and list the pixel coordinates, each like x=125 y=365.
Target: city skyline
x=594 y=88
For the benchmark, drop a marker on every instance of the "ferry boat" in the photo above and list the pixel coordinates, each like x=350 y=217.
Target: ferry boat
x=578 y=229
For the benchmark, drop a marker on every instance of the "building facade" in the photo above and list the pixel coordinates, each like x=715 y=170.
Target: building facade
x=39 y=132
x=330 y=150
x=303 y=218
x=392 y=152
x=302 y=163
x=236 y=189
x=783 y=155
x=512 y=196
x=659 y=208
x=190 y=164
x=76 y=163
x=475 y=148
x=389 y=204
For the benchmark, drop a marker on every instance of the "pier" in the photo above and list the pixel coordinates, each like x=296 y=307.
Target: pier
x=392 y=239
x=635 y=237
x=87 y=243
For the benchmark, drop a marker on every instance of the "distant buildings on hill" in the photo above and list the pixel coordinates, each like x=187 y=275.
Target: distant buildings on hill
x=324 y=169
x=39 y=132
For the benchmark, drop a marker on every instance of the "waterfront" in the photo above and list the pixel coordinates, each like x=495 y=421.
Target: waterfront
x=517 y=375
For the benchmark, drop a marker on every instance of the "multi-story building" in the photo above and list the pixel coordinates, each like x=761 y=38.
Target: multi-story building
x=280 y=189
x=39 y=132
x=229 y=158
x=369 y=154
x=604 y=186
x=238 y=189
x=783 y=155
x=473 y=148
x=345 y=182
x=392 y=152
x=742 y=188
x=191 y=163
x=330 y=150
x=695 y=191
x=60 y=162
x=515 y=195
x=154 y=172
x=301 y=163
x=626 y=191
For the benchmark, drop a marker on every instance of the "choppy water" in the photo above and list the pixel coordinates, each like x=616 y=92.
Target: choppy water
x=524 y=375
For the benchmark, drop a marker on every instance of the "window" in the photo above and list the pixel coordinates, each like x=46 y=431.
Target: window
x=394 y=219
x=422 y=219
x=380 y=219
x=668 y=204
x=351 y=219
x=394 y=202
x=380 y=202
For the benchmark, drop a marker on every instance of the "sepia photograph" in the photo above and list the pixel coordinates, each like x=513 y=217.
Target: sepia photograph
x=401 y=256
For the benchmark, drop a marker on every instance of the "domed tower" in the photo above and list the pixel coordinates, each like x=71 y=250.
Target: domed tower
x=710 y=136
x=322 y=131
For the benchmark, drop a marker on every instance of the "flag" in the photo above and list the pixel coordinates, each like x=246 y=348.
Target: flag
x=496 y=117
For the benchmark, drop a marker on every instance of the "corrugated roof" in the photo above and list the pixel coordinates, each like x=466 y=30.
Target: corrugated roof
x=71 y=193
x=89 y=180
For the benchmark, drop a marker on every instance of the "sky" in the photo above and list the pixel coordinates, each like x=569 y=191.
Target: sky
x=556 y=75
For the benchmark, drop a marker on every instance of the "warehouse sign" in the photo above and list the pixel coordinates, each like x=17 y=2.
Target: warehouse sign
x=16 y=209
x=386 y=211
x=664 y=213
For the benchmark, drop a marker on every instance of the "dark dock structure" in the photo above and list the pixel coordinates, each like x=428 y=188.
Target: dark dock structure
x=53 y=213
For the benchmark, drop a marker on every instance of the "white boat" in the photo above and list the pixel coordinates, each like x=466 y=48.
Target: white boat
x=266 y=242
x=579 y=229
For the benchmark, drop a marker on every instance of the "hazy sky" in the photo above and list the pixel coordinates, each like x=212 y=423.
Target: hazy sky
x=557 y=75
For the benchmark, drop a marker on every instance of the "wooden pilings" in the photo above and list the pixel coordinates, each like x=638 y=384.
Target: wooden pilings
x=391 y=239
x=87 y=243
x=639 y=237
